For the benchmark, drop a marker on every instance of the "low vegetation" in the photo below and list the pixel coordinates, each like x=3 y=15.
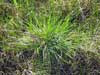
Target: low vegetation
x=49 y=37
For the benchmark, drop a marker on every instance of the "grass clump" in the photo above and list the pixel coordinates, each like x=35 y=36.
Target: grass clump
x=62 y=35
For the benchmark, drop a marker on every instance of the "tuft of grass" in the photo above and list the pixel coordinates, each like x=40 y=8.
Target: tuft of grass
x=55 y=29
